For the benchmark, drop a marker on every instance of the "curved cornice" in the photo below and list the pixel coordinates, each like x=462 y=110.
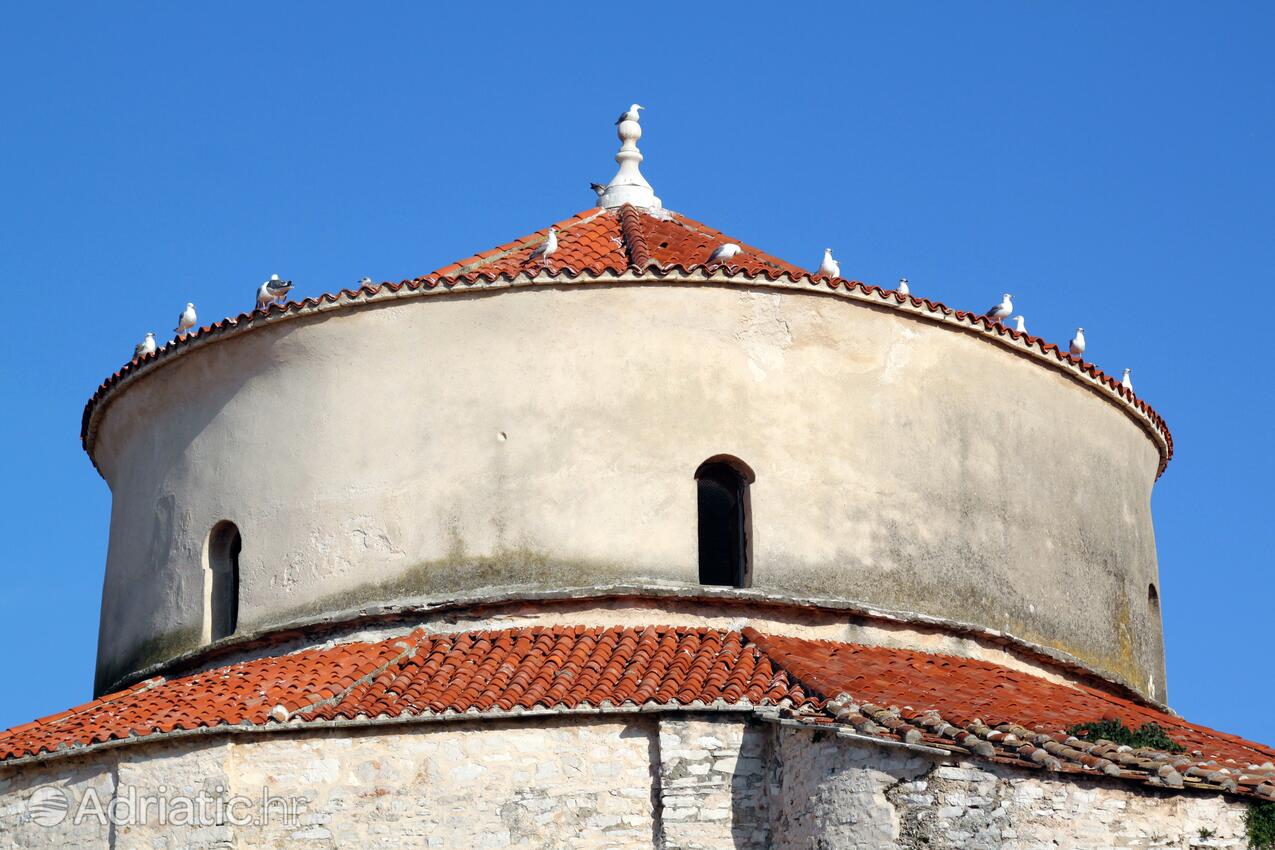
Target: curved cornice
x=329 y=626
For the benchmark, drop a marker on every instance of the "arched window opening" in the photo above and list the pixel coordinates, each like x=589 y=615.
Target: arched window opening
x=724 y=522
x=1153 y=600
x=224 y=544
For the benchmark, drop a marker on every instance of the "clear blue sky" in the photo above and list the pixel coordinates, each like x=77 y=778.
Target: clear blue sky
x=1110 y=164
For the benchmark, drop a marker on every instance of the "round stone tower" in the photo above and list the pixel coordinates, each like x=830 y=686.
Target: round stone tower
x=625 y=534
x=620 y=418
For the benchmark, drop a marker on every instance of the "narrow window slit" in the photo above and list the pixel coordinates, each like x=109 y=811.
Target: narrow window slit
x=724 y=522
x=224 y=545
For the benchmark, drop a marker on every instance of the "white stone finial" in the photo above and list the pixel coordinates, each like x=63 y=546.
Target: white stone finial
x=628 y=186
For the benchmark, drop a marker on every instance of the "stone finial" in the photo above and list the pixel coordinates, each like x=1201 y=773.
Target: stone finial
x=628 y=186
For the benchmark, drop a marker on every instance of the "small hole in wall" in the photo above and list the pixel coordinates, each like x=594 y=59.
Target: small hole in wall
x=1153 y=600
x=502 y=436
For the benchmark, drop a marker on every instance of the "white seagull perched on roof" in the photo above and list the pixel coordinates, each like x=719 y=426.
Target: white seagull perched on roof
x=1020 y=324
x=1126 y=382
x=1003 y=310
x=903 y=287
x=545 y=248
x=723 y=253
x=272 y=291
x=366 y=281
x=186 y=320
x=145 y=347
x=631 y=115
x=829 y=267
x=1077 y=347
x=598 y=188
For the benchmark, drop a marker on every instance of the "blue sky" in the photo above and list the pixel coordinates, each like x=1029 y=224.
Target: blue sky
x=1109 y=164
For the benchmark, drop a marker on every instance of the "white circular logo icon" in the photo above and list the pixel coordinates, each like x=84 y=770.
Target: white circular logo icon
x=48 y=805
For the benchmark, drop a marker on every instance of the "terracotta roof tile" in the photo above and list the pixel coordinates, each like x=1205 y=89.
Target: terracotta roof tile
x=679 y=242
x=590 y=241
x=957 y=704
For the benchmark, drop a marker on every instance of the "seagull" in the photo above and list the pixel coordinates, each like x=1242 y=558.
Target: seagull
x=1020 y=324
x=545 y=248
x=1002 y=310
x=631 y=115
x=829 y=267
x=723 y=253
x=272 y=291
x=186 y=320
x=903 y=287
x=366 y=281
x=1126 y=382
x=1078 y=343
x=597 y=188
x=145 y=347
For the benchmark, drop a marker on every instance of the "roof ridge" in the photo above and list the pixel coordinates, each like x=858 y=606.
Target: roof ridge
x=634 y=238
x=761 y=642
x=410 y=643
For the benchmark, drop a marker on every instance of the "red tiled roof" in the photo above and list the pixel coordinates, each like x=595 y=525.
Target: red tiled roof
x=966 y=692
x=954 y=704
x=609 y=242
x=421 y=673
x=598 y=241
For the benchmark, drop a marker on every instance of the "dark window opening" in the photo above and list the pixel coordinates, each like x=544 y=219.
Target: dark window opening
x=1153 y=599
x=224 y=544
x=723 y=524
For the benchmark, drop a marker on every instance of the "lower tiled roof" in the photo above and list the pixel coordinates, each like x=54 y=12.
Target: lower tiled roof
x=958 y=705
x=932 y=692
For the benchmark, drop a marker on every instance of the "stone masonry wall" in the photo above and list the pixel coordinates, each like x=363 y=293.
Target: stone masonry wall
x=712 y=781
x=679 y=781
x=844 y=795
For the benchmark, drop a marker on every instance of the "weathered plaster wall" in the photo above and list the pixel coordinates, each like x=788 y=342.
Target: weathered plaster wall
x=675 y=782
x=548 y=438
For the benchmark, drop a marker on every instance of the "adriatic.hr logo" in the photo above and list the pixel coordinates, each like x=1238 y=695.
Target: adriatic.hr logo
x=49 y=805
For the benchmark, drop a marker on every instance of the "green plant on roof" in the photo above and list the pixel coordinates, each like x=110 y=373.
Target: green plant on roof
x=1259 y=821
x=1150 y=735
